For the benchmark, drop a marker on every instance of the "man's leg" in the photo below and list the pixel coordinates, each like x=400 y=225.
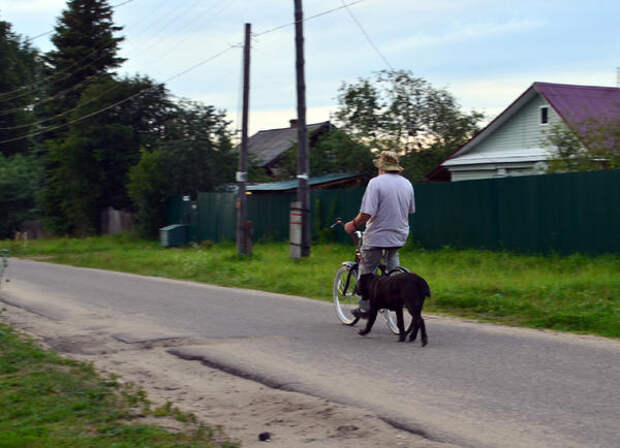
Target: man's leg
x=371 y=257
x=392 y=259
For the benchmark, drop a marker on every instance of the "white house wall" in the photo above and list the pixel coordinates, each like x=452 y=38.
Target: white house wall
x=523 y=130
x=492 y=171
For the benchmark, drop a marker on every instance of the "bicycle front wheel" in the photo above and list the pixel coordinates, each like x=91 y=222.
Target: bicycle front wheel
x=390 y=316
x=345 y=297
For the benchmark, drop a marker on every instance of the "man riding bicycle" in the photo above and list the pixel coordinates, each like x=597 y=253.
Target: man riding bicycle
x=385 y=209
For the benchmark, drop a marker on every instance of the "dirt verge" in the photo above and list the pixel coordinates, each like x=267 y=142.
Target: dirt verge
x=243 y=408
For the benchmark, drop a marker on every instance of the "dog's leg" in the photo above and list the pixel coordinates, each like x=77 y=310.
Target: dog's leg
x=411 y=324
x=400 y=322
x=415 y=323
x=423 y=332
x=372 y=316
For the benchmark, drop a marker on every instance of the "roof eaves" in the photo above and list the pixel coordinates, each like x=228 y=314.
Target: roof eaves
x=494 y=124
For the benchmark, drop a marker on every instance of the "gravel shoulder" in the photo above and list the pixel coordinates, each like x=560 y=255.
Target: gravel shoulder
x=242 y=408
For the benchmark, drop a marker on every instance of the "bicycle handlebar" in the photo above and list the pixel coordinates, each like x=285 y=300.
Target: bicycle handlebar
x=338 y=222
x=355 y=236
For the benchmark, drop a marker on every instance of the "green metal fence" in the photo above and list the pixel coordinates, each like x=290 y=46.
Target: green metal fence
x=563 y=213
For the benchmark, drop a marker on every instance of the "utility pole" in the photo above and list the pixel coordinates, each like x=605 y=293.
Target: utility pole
x=243 y=229
x=303 y=193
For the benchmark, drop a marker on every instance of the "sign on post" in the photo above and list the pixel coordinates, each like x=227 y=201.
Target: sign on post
x=295 y=225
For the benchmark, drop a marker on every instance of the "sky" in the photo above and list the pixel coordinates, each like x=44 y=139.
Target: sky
x=485 y=52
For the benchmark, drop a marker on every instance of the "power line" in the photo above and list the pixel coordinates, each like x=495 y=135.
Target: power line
x=372 y=44
x=64 y=92
x=30 y=39
x=57 y=74
x=171 y=20
x=177 y=43
x=61 y=114
x=67 y=71
x=182 y=73
x=320 y=14
x=118 y=103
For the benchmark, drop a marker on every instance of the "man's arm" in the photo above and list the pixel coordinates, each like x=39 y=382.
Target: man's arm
x=356 y=222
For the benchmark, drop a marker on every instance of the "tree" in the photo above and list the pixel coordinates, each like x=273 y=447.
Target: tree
x=198 y=149
x=195 y=156
x=86 y=50
x=79 y=71
x=589 y=145
x=19 y=66
x=335 y=152
x=88 y=168
x=407 y=114
x=19 y=180
x=148 y=190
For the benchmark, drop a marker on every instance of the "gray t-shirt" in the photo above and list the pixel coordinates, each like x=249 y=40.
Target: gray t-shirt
x=389 y=199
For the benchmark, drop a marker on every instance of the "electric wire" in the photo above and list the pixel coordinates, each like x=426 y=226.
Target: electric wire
x=172 y=78
x=64 y=113
x=30 y=39
x=62 y=74
x=172 y=20
x=372 y=44
x=66 y=72
x=306 y=19
x=60 y=94
x=58 y=75
x=176 y=45
x=118 y=103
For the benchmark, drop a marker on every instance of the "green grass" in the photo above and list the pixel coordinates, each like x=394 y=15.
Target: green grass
x=573 y=293
x=49 y=401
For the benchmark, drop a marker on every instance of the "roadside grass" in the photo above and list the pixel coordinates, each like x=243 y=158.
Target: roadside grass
x=50 y=401
x=573 y=293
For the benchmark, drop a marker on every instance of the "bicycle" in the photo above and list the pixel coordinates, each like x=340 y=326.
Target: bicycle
x=345 y=294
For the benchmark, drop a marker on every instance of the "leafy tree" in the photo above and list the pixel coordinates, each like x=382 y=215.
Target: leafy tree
x=361 y=109
x=19 y=66
x=148 y=189
x=19 y=180
x=589 y=145
x=407 y=114
x=198 y=149
x=335 y=152
x=116 y=135
x=195 y=156
x=69 y=199
x=87 y=170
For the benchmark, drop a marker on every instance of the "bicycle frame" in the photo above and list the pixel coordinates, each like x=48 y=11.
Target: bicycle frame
x=341 y=290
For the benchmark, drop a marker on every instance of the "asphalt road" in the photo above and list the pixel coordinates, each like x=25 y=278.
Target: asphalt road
x=476 y=385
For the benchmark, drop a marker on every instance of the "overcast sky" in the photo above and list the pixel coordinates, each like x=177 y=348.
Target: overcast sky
x=485 y=52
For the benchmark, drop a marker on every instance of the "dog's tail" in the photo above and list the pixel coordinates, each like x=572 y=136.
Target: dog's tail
x=426 y=290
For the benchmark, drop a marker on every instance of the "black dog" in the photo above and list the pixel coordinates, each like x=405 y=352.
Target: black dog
x=395 y=292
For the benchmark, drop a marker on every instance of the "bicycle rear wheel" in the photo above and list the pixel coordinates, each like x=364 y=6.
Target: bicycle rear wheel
x=345 y=297
x=390 y=316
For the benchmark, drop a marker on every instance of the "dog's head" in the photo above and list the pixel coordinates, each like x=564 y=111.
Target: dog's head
x=363 y=284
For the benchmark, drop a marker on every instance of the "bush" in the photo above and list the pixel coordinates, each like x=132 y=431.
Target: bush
x=147 y=189
x=19 y=181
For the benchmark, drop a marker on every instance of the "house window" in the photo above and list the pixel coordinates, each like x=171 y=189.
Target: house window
x=544 y=115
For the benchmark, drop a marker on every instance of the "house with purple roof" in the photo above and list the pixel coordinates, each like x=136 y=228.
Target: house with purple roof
x=512 y=144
